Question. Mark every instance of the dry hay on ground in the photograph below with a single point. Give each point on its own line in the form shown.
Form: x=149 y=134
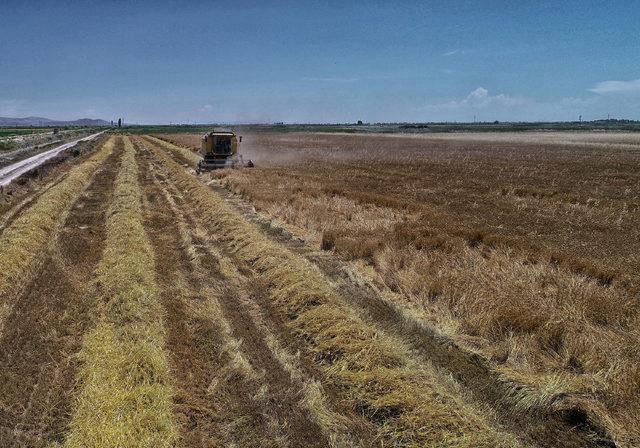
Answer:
x=523 y=247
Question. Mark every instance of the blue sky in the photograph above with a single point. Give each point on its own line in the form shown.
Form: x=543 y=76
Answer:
x=320 y=61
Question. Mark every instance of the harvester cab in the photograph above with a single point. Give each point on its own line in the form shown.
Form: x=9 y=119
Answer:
x=220 y=149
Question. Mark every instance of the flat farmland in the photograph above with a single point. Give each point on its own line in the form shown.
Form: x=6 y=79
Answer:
x=349 y=291
x=520 y=247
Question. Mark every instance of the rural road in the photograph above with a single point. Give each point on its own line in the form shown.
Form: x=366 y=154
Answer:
x=11 y=172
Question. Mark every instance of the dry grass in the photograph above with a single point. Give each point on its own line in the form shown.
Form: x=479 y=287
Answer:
x=124 y=397
x=210 y=309
x=231 y=347
x=523 y=247
x=411 y=404
x=189 y=156
x=314 y=400
x=25 y=242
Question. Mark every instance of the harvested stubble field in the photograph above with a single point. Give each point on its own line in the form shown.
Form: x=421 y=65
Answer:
x=522 y=248
x=416 y=294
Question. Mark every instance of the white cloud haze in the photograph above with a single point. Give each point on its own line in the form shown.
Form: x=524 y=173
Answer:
x=11 y=107
x=605 y=87
x=503 y=107
x=616 y=98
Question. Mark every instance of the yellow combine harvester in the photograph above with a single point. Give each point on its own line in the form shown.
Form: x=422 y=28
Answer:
x=220 y=150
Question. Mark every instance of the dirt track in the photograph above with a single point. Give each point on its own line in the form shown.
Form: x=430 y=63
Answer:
x=243 y=370
x=11 y=172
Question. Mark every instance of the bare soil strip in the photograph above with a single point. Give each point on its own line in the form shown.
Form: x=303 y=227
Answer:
x=409 y=404
x=264 y=400
x=45 y=328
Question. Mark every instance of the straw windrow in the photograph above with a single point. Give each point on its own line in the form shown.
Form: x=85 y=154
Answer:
x=411 y=404
x=185 y=154
x=124 y=396
x=25 y=242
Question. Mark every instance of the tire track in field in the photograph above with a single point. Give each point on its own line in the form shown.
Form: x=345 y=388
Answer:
x=220 y=347
x=45 y=328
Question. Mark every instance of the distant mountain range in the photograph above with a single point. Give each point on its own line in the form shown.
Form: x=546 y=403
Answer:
x=39 y=121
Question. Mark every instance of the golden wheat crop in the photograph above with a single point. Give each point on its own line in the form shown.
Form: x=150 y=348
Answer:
x=408 y=402
x=124 y=397
x=189 y=156
x=523 y=248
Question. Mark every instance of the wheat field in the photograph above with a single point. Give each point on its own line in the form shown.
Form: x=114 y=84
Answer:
x=348 y=291
x=521 y=247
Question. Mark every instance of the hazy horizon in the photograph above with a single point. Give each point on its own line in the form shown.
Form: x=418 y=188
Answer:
x=320 y=62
